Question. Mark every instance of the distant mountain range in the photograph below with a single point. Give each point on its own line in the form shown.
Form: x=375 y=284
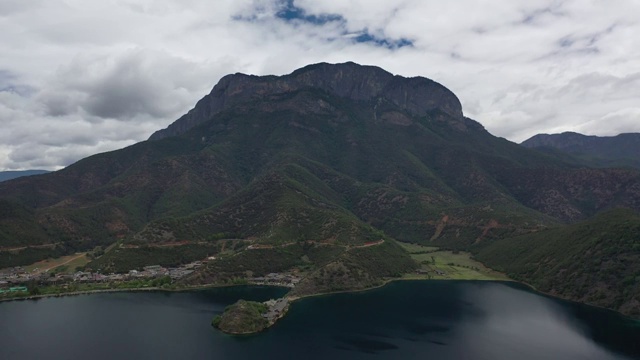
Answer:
x=8 y=175
x=603 y=151
x=310 y=169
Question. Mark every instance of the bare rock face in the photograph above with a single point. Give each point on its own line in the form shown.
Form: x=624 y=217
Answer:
x=417 y=96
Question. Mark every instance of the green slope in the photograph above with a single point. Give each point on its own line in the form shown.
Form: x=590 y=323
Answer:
x=596 y=261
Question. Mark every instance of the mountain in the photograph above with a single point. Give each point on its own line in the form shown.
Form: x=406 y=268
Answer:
x=603 y=151
x=349 y=80
x=596 y=261
x=322 y=169
x=8 y=175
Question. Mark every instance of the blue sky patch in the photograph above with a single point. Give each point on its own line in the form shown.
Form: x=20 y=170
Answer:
x=365 y=37
x=290 y=12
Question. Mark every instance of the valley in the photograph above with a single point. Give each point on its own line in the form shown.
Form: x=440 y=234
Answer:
x=436 y=264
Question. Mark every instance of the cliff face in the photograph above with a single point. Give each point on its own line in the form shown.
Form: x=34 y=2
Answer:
x=416 y=95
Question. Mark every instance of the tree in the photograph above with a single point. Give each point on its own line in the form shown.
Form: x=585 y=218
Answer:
x=35 y=290
x=216 y=321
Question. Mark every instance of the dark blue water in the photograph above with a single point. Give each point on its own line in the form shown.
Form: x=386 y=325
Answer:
x=404 y=320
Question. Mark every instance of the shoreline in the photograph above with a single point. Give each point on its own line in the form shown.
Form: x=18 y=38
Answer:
x=142 y=289
x=295 y=298
x=509 y=280
x=387 y=282
x=558 y=297
x=77 y=293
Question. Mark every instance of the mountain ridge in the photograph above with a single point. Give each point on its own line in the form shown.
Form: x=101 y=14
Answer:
x=603 y=151
x=14 y=174
x=348 y=80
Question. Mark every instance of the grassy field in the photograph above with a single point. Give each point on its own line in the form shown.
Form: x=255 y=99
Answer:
x=415 y=248
x=448 y=265
x=66 y=264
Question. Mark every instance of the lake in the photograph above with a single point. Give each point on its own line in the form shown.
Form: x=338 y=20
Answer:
x=403 y=320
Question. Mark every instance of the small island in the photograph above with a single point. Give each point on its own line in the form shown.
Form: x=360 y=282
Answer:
x=249 y=317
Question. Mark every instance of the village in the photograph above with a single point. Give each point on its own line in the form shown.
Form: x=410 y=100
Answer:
x=276 y=309
x=11 y=277
x=17 y=279
x=276 y=279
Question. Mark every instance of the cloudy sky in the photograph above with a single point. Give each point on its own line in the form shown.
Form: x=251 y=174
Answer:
x=79 y=77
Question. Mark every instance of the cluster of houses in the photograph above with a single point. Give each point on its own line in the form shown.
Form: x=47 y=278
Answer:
x=155 y=271
x=18 y=275
x=278 y=279
x=276 y=309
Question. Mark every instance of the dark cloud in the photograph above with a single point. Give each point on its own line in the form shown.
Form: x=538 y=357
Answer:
x=124 y=92
x=58 y=102
x=27 y=153
x=133 y=85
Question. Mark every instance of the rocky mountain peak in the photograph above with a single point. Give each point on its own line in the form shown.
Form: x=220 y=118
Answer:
x=416 y=95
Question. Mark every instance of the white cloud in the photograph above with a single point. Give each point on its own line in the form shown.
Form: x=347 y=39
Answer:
x=79 y=76
x=620 y=121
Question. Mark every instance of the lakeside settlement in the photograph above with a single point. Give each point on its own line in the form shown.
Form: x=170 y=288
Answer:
x=244 y=317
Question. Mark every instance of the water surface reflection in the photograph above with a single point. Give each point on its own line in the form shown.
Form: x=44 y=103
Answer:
x=404 y=320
